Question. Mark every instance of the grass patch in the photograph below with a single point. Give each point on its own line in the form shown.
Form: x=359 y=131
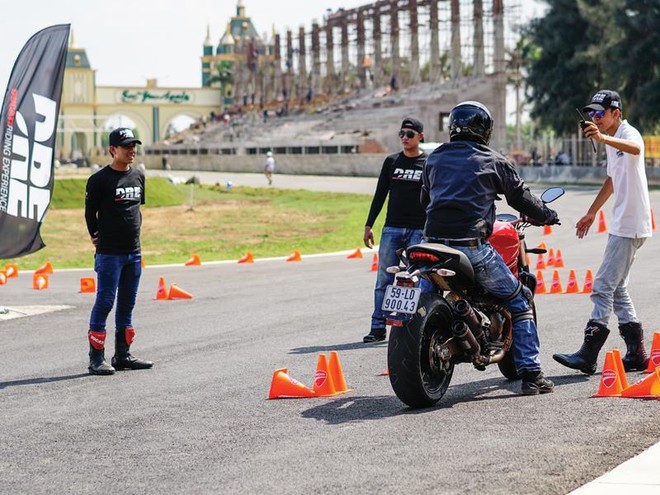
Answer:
x=220 y=225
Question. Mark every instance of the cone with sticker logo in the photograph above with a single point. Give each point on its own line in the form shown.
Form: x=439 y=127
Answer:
x=559 y=259
x=654 y=354
x=374 y=263
x=602 y=225
x=194 y=260
x=551 y=257
x=646 y=388
x=588 y=283
x=572 y=285
x=295 y=256
x=161 y=292
x=618 y=362
x=283 y=386
x=555 y=285
x=337 y=373
x=87 y=285
x=540 y=283
x=610 y=382
x=323 y=384
x=540 y=262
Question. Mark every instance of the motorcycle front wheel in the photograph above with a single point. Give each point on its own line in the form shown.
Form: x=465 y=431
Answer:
x=418 y=378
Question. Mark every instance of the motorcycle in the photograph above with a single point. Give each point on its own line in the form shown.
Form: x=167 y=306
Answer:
x=457 y=321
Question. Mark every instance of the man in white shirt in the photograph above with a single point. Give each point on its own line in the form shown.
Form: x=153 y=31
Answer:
x=629 y=228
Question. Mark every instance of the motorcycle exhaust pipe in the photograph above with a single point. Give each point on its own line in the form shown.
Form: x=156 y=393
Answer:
x=464 y=337
x=464 y=311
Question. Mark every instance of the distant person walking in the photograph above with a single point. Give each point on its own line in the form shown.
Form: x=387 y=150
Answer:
x=269 y=168
x=112 y=212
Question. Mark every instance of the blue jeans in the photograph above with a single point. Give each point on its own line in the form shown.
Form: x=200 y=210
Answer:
x=492 y=274
x=610 y=289
x=391 y=239
x=116 y=274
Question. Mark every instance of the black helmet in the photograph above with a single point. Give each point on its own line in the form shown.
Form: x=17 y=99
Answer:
x=470 y=120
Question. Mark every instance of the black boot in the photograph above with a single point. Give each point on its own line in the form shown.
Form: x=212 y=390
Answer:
x=585 y=359
x=97 y=363
x=123 y=360
x=535 y=383
x=633 y=335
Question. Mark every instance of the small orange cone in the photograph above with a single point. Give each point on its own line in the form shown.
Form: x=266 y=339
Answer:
x=177 y=292
x=323 y=384
x=87 y=285
x=46 y=269
x=540 y=262
x=588 y=283
x=283 y=386
x=11 y=271
x=356 y=254
x=646 y=387
x=248 y=258
x=39 y=281
x=618 y=362
x=374 y=263
x=652 y=220
x=654 y=354
x=337 y=374
x=540 y=283
x=602 y=226
x=559 y=260
x=572 y=285
x=551 y=257
x=194 y=260
x=555 y=285
x=142 y=262
x=542 y=246
x=295 y=256
x=547 y=230
x=161 y=293
x=610 y=383
x=3 y=277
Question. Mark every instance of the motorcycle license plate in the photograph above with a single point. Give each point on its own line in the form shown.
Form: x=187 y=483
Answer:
x=401 y=299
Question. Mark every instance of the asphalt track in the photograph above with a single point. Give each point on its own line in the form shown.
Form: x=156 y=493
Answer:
x=199 y=422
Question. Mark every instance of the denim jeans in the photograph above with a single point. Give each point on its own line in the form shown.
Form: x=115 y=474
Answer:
x=116 y=274
x=391 y=239
x=492 y=274
x=610 y=289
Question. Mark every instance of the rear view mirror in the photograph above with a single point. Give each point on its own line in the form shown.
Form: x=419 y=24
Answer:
x=551 y=194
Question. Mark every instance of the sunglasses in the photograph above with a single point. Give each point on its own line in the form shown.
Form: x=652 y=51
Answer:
x=408 y=134
x=596 y=113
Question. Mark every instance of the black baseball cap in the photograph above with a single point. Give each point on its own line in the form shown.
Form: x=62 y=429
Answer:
x=414 y=124
x=123 y=136
x=604 y=99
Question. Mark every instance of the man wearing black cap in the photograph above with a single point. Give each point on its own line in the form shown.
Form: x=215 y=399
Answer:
x=401 y=179
x=112 y=211
x=629 y=227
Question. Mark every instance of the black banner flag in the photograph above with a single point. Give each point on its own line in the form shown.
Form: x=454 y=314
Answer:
x=28 y=125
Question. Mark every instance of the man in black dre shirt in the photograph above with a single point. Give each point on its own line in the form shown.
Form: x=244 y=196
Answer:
x=112 y=211
x=401 y=178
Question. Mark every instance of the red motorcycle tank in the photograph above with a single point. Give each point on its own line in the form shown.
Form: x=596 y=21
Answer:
x=505 y=240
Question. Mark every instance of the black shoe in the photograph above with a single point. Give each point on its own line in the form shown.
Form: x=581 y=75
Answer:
x=376 y=335
x=128 y=362
x=535 y=383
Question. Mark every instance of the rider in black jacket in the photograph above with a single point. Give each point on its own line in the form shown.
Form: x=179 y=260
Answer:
x=461 y=181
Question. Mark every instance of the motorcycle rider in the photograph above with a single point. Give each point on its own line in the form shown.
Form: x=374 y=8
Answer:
x=461 y=181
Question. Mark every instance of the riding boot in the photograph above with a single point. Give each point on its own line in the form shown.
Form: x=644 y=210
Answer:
x=633 y=335
x=97 y=363
x=123 y=360
x=586 y=357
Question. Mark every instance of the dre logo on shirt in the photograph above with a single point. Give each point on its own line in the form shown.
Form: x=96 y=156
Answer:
x=409 y=174
x=128 y=193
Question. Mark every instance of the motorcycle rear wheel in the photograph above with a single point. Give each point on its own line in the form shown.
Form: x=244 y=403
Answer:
x=415 y=377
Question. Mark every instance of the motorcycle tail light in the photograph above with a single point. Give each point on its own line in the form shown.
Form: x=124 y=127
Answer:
x=421 y=256
x=405 y=283
x=394 y=323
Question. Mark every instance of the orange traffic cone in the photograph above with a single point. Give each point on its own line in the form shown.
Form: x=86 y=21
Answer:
x=540 y=283
x=248 y=258
x=356 y=254
x=555 y=285
x=542 y=246
x=559 y=260
x=618 y=362
x=337 y=374
x=646 y=387
x=46 y=269
x=588 y=283
x=178 y=293
x=295 y=256
x=143 y=263
x=540 y=262
x=610 y=382
x=374 y=263
x=572 y=286
x=11 y=271
x=652 y=220
x=194 y=260
x=602 y=226
x=87 y=285
x=654 y=354
x=547 y=230
x=323 y=384
x=283 y=385
x=3 y=277
x=161 y=293
x=39 y=281
x=551 y=258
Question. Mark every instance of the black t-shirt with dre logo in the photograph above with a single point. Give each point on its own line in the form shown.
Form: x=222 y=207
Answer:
x=112 y=208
